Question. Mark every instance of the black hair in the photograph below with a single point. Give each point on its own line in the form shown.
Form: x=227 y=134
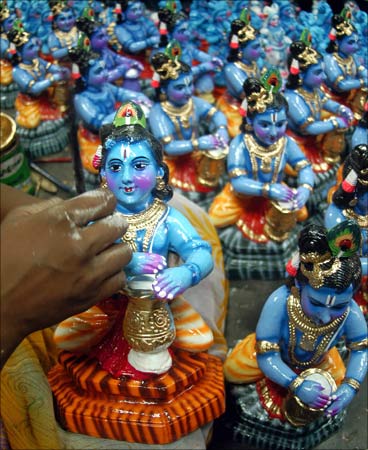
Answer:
x=295 y=50
x=83 y=58
x=133 y=134
x=336 y=20
x=87 y=26
x=235 y=53
x=171 y=19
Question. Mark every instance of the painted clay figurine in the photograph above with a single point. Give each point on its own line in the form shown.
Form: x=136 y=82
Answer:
x=350 y=201
x=127 y=336
x=290 y=367
x=256 y=208
x=244 y=61
x=347 y=77
x=195 y=158
x=41 y=120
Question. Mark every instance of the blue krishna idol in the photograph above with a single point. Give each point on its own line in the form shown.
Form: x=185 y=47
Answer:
x=347 y=76
x=257 y=212
x=244 y=60
x=96 y=101
x=41 y=117
x=350 y=201
x=144 y=350
x=193 y=132
x=287 y=381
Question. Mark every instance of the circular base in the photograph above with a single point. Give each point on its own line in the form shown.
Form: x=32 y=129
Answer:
x=150 y=362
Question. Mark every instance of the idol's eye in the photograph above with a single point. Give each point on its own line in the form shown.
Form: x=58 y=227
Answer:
x=314 y=302
x=281 y=123
x=140 y=165
x=340 y=306
x=115 y=167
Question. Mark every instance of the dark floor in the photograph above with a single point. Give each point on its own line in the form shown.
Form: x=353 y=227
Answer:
x=246 y=301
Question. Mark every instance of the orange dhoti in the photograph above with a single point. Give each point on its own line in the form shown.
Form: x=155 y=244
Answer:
x=31 y=111
x=230 y=107
x=88 y=143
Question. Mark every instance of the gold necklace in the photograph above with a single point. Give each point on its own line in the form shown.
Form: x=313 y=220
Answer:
x=345 y=64
x=265 y=155
x=145 y=220
x=362 y=220
x=250 y=69
x=312 y=99
x=67 y=38
x=180 y=115
x=310 y=331
x=33 y=69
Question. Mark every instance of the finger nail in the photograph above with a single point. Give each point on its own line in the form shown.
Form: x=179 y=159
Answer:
x=160 y=266
x=170 y=296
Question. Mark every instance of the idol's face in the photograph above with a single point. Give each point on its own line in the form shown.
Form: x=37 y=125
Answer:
x=180 y=91
x=97 y=73
x=131 y=171
x=30 y=49
x=134 y=11
x=65 y=20
x=252 y=50
x=9 y=22
x=314 y=76
x=181 y=32
x=349 y=44
x=270 y=126
x=324 y=304
x=99 y=39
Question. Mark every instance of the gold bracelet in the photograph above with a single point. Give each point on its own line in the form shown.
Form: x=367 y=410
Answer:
x=266 y=347
x=361 y=82
x=52 y=79
x=266 y=190
x=335 y=123
x=293 y=386
x=352 y=382
x=166 y=139
x=237 y=172
x=301 y=165
x=359 y=345
x=195 y=144
x=307 y=186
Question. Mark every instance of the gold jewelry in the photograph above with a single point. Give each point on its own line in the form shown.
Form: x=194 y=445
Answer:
x=160 y=184
x=251 y=70
x=237 y=172
x=169 y=69
x=146 y=220
x=195 y=144
x=182 y=116
x=344 y=28
x=66 y=38
x=247 y=33
x=265 y=155
x=360 y=219
x=346 y=66
x=266 y=190
x=258 y=101
x=266 y=347
x=166 y=139
x=103 y=183
x=357 y=346
x=317 y=275
x=301 y=165
x=352 y=382
x=362 y=82
x=308 y=57
x=211 y=112
x=307 y=122
x=293 y=386
x=310 y=331
x=313 y=101
x=335 y=123
x=307 y=186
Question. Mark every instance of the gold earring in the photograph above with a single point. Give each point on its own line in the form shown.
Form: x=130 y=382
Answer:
x=160 y=184
x=103 y=183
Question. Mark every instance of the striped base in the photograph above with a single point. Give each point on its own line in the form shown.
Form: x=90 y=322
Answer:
x=157 y=411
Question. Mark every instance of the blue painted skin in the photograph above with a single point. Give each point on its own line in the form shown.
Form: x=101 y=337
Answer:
x=97 y=103
x=312 y=79
x=273 y=326
x=29 y=53
x=178 y=93
x=6 y=25
x=137 y=32
x=65 y=22
x=269 y=127
x=131 y=171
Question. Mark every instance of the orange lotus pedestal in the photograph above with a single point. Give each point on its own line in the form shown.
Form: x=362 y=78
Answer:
x=156 y=411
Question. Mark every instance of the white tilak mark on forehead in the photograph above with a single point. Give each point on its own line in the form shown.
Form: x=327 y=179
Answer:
x=125 y=151
x=273 y=117
x=331 y=299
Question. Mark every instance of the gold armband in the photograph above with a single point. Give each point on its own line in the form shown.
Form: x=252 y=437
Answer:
x=301 y=165
x=307 y=186
x=212 y=112
x=360 y=345
x=30 y=84
x=307 y=122
x=362 y=82
x=266 y=347
x=335 y=123
x=361 y=68
x=52 y=79
x=352 y=382
x=48 y=65
x=195 y=144
x=338 y=79
x=166 y=139
x=266 y=190
x=237 y=173
x=293 y=386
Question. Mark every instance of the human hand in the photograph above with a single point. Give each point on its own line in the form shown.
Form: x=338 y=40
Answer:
x=145 y=263
x=311 y=393
x=172 y=282
x=54 y=265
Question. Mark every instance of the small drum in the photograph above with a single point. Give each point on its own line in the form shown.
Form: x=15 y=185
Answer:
x=297 y=412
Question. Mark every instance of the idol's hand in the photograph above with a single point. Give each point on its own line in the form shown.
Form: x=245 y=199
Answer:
x=209 y=142
x=281 y=192
x=311 y=393
x=346 y=113
x=136 y=65
x=217 y=62
x=223 y=134
x=151 y=41
x=302 y=196
x=340 y=399
x=145 y=263
x=172 y=282
x=343 y=123
x=141 y=99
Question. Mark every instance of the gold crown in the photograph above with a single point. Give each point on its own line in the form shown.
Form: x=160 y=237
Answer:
x=344 y=28
x=19 y=35
x=169 y=69
x=258 y=101
x=323 y=266
x=308 y=57
x=58 y=8
x=247 y=33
